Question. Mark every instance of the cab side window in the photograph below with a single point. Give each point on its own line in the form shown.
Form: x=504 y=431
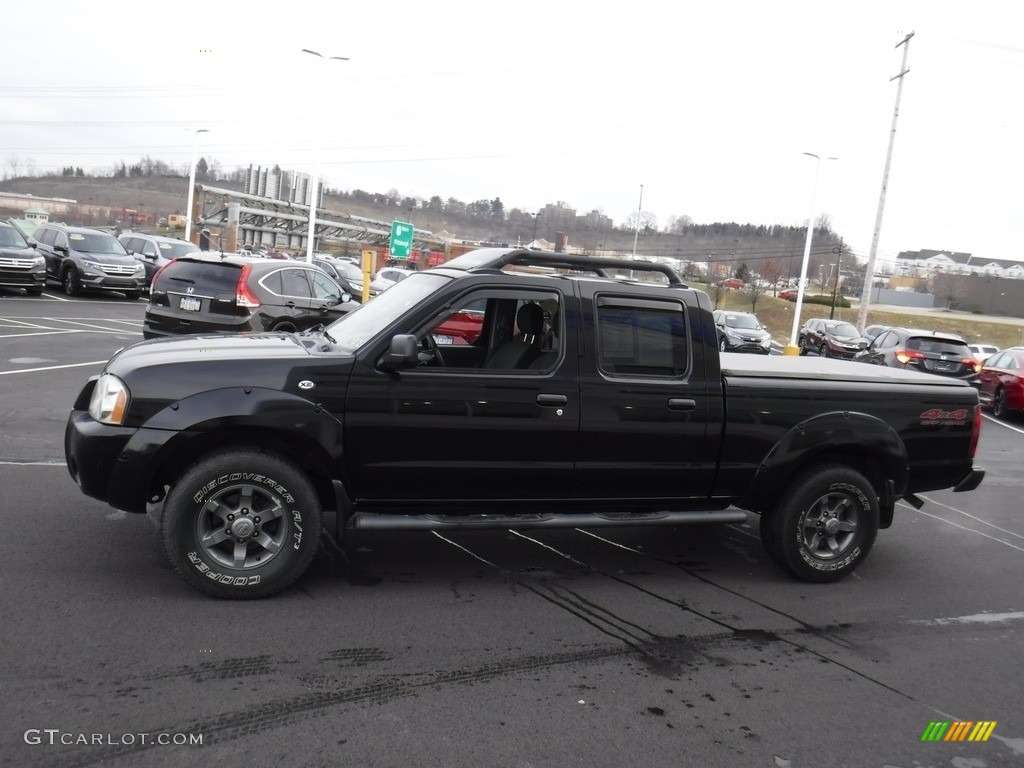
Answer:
x=495 y=330
x=641 y=338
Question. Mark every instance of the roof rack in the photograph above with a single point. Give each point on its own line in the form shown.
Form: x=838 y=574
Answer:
x=497 y=258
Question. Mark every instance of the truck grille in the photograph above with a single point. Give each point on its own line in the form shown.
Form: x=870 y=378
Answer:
x=16 y=263
x=118 y=269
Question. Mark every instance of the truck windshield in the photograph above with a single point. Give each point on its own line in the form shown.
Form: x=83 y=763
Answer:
x=353 y=330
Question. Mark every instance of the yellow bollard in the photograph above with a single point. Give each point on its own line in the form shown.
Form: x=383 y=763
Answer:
x=791 y=349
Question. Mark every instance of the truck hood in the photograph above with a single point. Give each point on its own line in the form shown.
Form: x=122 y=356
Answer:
x=163 y=371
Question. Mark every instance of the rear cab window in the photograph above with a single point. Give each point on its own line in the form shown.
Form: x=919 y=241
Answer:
x=637 y=337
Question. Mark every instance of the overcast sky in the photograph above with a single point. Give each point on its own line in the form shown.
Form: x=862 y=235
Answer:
x=709 y=106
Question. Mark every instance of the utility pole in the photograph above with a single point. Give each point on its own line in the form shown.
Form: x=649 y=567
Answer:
x=869 y=272
x=838 y=250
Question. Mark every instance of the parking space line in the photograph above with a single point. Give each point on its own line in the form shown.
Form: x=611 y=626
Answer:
x=967 y=514
x=1002 y=423
x=53 y=367
x=962 y=527
x=101 y=328
x=23 y=323
x=45 y=333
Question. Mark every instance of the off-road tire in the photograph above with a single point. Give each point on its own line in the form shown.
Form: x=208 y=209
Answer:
x=241 y=524
x=825 y=525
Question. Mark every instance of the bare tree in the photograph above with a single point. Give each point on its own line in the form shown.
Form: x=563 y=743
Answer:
x=717 y=292
x=771 y=272
x=14 y=161
x=948 y=289
x=755 y=289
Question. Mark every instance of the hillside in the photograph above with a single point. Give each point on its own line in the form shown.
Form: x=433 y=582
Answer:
x=727 y=245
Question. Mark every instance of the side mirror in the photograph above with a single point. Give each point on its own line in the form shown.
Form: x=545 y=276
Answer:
x=403 y=353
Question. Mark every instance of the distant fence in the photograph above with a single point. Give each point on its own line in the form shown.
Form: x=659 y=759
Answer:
x=902 y=298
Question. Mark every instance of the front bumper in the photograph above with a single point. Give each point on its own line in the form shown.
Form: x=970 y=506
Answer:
x=108 y=283
x=92 y=451
x=113 y=464
x=11 y=278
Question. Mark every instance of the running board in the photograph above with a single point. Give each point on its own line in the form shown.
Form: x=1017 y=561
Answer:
x=374 y=521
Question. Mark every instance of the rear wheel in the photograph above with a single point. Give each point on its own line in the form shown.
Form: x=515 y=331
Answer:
x=241 y=524
x=999 y=407
x=284 y=328
x=825 y=526
x=72 y=285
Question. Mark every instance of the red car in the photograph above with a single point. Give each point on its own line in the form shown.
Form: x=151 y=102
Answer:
x=463 y=326
x=1001 y=386
x=789 y=295
x=732 y=282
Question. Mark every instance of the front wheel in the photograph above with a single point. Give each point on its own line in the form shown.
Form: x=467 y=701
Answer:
x=823 y=350
x=802 y=345
x=241 y=524
x=722 y=346
x=71 y=283
x=825 y=525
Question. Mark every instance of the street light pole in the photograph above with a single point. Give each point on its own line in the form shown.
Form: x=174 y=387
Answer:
x=639 y=208
x=192 y=184
x=536 y=218
x=315 y=197
x=793 y=349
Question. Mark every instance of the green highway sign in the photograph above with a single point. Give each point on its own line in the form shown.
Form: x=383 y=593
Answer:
x=400 y=246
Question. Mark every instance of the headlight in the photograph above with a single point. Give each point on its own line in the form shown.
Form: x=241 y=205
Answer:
x=139 y=269
x=109 y=401
x=39 y=261
x=92 y=265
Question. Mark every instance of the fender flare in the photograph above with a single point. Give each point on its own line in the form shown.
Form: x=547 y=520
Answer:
x=850 y=433
x=181 y=431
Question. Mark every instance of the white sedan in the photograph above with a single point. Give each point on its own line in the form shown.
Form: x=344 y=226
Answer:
x=387 y=277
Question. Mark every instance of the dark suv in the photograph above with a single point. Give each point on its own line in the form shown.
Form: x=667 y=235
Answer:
x=237 y=294
x=927 y=351
x=831 y=338
x=741 y=332
x=82 y=259
x=20 y=265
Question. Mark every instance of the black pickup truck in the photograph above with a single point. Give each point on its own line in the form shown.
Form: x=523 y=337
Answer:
x=508 y=388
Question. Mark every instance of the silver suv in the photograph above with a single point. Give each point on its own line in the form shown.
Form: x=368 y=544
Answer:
x=154 y=251
x=82 y=259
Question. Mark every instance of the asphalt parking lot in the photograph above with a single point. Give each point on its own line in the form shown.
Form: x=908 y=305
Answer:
x=620 y=647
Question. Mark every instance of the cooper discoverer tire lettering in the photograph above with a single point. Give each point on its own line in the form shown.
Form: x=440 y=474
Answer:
x=241 y=523
x=825 y=525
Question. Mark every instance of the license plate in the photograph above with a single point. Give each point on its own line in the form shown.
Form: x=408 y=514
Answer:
x=190 y=304
x=446 y=340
